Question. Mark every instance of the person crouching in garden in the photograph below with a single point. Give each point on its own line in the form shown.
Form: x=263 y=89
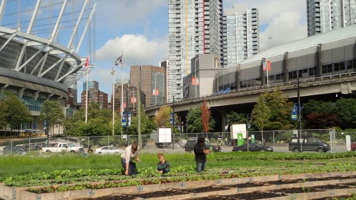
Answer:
x=163 y=165
x=130 y=154
x=200 y=151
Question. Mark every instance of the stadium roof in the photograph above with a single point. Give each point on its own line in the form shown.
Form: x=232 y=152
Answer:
x=312 y=41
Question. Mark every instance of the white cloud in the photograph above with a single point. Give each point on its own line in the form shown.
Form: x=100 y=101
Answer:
x=283 y=20
x=137 y=50
x=283 y=29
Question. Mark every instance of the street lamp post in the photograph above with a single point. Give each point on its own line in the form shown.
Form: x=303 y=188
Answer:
x=118 y=62
x=299 y=112
x=113 y=99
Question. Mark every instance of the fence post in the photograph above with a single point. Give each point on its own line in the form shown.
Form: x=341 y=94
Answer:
x=274 y=143
x=174 y=139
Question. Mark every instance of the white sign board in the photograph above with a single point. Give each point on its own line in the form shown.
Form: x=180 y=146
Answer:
x=238 y=128
x=348 y=142
x=164 y=135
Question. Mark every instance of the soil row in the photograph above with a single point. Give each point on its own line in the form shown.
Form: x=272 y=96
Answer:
x=314 y=187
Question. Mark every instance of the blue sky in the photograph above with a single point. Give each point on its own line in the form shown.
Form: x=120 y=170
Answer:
x=139 y=28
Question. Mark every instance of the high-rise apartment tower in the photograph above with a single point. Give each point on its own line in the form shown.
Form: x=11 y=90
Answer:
x=241 y=34
x=327 y=15
x=195 y=27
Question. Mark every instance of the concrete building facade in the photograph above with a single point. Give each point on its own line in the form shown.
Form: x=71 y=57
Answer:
x=327 y=15
x=195 y=27
x=198 y=83
x=241 y=34
x=152 y=82
x=95 y=96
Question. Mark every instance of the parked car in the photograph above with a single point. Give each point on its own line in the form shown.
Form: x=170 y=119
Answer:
x=62 y=147
x=189 y=146
x=353 y=146
x=14 y=150
x=252 y=147
x=108 y=150
x=308 y=144
x=33 y=147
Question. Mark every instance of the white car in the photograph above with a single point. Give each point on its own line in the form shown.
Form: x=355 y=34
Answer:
x=108 y=150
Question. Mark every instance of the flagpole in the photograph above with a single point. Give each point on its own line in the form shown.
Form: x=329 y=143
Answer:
x=113 y=99
x=122 y=94
x=86 y=97
x=87 y=88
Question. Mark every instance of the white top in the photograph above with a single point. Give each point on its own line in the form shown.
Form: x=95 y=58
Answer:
x=128 y=155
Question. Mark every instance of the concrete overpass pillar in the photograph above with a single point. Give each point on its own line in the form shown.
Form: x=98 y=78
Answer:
x=285 y=67
x=262 y=73
x=220 y=117
x=318 y=61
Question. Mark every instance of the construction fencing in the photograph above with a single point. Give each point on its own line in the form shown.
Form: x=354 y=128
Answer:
x=278 y=139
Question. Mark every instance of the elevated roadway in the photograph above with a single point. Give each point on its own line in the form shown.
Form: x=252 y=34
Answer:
x=327 y=88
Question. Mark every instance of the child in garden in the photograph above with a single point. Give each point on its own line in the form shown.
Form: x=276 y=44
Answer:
x=163 y=165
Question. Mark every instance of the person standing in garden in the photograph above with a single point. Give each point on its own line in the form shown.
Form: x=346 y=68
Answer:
x=163 y=164
x=200 y=151
x=127 y=157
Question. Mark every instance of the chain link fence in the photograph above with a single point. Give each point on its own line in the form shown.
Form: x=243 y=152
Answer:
x=277 y=139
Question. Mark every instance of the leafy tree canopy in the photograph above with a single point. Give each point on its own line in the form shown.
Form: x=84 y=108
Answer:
x=194 y=121
x=261 y=114
x=345 y=109
x=237 y=118
x=53 y=112
x=280 y=111
x=16 y=112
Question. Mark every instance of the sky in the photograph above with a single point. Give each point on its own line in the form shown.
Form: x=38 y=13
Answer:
x=139 y=30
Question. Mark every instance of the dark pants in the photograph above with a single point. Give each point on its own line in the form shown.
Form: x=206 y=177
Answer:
x=132 y=167
x=200 y=166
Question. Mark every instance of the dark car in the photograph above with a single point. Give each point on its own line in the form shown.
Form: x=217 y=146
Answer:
x=252 y=147
x=308 y=144
x=189 y=146
x=14 y=150
x=353 y=146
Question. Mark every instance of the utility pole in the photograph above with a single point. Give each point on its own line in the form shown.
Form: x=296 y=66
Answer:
x=299 y=113
x=127 y=111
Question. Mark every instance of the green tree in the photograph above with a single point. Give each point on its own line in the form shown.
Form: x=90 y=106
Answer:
x=316 y=106
x=162 y=119
x=280 y=111
x=319 y=115
x=261 y=114
x=53 y=112
x=194 y=121
x=16 y=113
x=346 y=112
x=3 y=107
x=237 y=118
x=99 y=122
x=147 y=124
